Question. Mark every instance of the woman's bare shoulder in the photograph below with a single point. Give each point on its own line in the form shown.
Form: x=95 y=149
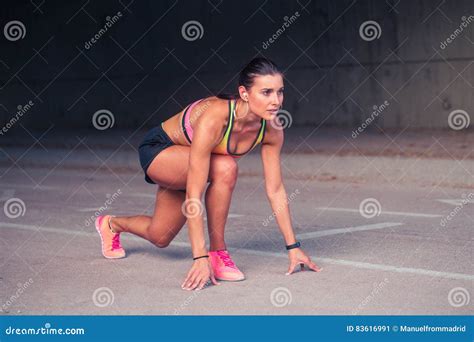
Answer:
x=216 y=109
x=211 y=117
x=216 y=104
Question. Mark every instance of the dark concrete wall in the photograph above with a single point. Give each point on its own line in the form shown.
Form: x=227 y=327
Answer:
x=143 y=70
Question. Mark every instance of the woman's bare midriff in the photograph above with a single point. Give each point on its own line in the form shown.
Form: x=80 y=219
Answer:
x=244 y=136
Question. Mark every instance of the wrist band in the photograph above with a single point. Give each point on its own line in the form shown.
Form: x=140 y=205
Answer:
x=202 y=256
x=295 y=245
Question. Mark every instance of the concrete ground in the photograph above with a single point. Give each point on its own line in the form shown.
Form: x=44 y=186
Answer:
x=414 y=256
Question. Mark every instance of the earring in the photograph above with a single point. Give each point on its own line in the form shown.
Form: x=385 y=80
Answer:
x=248 y=107
x=246 y=112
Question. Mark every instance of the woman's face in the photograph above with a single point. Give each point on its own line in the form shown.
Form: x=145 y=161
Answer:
x=265 y=97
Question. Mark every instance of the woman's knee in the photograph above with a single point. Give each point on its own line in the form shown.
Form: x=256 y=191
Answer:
x=224 y=169
x=160 y=241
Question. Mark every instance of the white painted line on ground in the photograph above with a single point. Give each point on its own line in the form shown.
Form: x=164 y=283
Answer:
x=382 y=212
x=369 y=266
x=228 y=216
x=456 y=202
x=141 y=194
x=87 y=210
x=335 y=231
x=8 y=192
x=91 y=210
x=29 y=187
x=59 y=188
x=357 y=264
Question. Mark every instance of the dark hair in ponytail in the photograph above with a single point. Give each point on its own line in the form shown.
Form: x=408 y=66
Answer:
x=258 y=66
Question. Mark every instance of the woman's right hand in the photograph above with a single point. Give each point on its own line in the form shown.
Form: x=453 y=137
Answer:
x=199 y=275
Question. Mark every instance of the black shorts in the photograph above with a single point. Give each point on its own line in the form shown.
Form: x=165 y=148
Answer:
x=155 y=141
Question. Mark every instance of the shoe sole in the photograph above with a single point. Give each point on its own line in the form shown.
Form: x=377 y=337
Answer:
x=230 y=280
x=97 y=227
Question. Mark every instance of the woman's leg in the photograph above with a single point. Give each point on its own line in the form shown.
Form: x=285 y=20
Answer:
x=168 y=218
x=162 y=227
x=218 y=198
x=169 y=171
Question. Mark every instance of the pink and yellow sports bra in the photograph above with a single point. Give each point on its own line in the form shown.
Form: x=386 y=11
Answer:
x=223 y=147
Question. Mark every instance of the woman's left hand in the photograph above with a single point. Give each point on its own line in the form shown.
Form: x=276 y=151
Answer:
x=298 y=257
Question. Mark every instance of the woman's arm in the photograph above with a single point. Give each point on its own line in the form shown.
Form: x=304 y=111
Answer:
x=277 y=197
x=204 y=140
x=274 y=187
x=207 y=133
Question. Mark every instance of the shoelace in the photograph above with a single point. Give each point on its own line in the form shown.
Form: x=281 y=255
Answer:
x=116 y=242
x=225 y=257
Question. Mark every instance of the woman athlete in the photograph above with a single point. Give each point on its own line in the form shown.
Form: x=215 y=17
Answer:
x=199 y=145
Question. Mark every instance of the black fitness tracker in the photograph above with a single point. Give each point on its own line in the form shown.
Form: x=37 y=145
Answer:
x=295 y=245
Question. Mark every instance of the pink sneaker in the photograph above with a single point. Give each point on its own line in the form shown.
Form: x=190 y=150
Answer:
x=111 y=248
x=223 y=266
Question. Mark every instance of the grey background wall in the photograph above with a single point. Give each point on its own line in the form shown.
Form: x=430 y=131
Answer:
x=143 y=70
